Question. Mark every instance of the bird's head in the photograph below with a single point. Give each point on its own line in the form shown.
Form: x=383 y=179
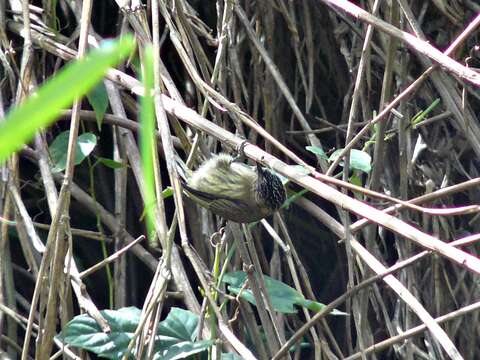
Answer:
x=269 y=189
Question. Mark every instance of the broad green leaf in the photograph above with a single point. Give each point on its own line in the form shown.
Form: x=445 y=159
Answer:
x=83 y=332
x=175 y=338
x=317 y=151
x=180 y=324
x=98 y=98
x=73 y=81
x=282 y=296
x=359 y=160
x=86 y=142
x=112 y=164
x=183 y=349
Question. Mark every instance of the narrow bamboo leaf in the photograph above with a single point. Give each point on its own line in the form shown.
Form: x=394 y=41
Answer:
x=147 y=138
x=422 y=115
x=317 y=306
x=112 y=164
x=73 y=81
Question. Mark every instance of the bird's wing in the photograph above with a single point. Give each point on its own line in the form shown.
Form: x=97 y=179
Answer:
x=224 y=206
x=205 y=198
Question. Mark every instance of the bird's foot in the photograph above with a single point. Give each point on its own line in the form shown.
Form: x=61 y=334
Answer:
x=240 y=151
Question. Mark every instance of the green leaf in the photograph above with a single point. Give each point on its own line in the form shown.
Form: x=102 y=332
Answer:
x=359 y=160
x=282 y=296
x=112 y=164
x=86 y=142
x=72 y=82
x=167 y=192
x=98 y=98
x=294 y=197
x=180 y=324
x=147 y=139
x=175 y=338
x=183 y=350
x=316 y=306
x=355 y=180
x=418 y=118
x=317 y=151
x=83 y=332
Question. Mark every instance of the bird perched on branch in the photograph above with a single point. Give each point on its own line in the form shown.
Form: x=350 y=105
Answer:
x=235 y=191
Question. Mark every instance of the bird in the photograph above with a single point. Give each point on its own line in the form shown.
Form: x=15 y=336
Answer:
x=235 y=191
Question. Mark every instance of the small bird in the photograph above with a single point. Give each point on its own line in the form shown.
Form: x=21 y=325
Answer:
x=235 y=191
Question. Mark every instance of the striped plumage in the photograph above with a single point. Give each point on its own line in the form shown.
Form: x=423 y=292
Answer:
x=235 y=191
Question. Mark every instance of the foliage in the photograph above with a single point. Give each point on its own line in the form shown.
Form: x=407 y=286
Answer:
x=85 y=144
x=174 y=339
x=72 y=82
x=293 y=79
x=282 y=296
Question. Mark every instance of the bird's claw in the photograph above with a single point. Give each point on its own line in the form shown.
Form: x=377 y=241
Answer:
x=241 y=150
